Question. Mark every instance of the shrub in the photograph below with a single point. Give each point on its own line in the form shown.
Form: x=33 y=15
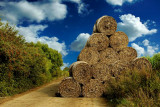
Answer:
x=25 y=65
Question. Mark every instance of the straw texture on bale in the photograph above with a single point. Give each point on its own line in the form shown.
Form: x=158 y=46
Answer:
x=105 y=24
x=101 y=71
x=94 y=28
x=99 y=41
x=109 y=56
x=119 y=40
x=89 y=55
x=127 y=54
x=120 y=66
x=70 y=69
x=69 y=88
x=82 y=72
x=93 y=89
x=142 y=64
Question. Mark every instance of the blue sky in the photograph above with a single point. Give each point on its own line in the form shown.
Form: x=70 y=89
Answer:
x=65 y=25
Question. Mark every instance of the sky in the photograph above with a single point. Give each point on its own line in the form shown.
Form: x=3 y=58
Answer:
x=65 y=25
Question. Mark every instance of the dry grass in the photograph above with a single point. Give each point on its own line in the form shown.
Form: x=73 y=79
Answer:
x=134 y=88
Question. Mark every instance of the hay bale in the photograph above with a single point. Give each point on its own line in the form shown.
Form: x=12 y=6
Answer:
x=101 y=71
x=109 y=56
x=142 y=64
x=99 y=41
x=105 y=24
x=93 y=89
x=69 y=88
x=119 y=40
x=95 y=28
x=120 y=66
x=81 y=72
x=127 y=54
x=89 y=55
x=70 y=69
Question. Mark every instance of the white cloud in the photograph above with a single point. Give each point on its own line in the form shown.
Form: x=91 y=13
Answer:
x=76 y=1
x=79 y=43
x=145 y=42
x=17 y=12
x=82 y=7
x=55 y=11
x=118 y=2
x=140 y=50
x=118 y=10
x=31 y=34
x=64 y=65
x=133 y=27
x=150 y=50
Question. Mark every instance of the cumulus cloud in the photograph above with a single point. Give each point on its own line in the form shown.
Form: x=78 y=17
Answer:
x=17 y=12
x=118 y=2
x=145 y=42
x=133 y=27
x=31 y=34
x=140 y=50
x=147 y=49
x=79 y=43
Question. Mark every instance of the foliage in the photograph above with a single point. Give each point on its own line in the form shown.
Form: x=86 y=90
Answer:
x=66 y=69
x=134 y=88
x=25 y=65
x=155 y=61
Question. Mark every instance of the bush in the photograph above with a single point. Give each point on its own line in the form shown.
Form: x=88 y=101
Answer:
x=25 y=65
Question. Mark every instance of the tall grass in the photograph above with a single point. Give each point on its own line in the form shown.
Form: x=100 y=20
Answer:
x=134 y=88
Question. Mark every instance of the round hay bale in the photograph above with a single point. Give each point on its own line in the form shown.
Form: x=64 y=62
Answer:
x=93 y=89
x=120 y=66
x=89 y=55
x=142 y=64
x=70 y=69
x=99 y=41
x=81 y=71
x=106 y=24
x=119 y=40
x=95 y=28
x=109 y=56
x=127 y=54
x=69 y=88
x=101 y=71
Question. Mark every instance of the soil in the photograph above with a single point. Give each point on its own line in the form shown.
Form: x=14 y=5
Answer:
x=44 y=96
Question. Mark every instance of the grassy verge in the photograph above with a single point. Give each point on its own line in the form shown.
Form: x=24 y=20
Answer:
x=134 y=88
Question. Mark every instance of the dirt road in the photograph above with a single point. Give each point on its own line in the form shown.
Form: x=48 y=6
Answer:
x=45 y=97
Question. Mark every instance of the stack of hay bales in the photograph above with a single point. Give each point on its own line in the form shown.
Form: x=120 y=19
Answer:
x=105 y=55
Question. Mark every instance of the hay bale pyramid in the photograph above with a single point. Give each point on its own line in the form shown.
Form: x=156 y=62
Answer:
x=105 y=55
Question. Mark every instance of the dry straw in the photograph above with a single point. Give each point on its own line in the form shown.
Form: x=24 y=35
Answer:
x=81 y=71
x=142 y=64
x=127 y=54
x=120 y=66
x=93 y=89
x=119 y=40
x=69 y=88
x=109 y=56
x=101 y=71
x=89 y=55
x=105 y=24
x=99 y=41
